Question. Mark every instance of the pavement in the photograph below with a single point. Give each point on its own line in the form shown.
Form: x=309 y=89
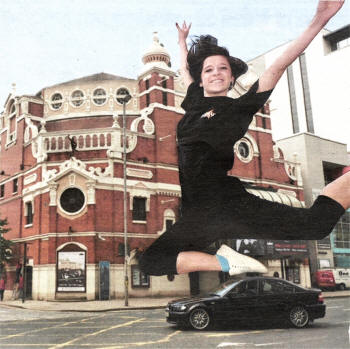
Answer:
x=114 y=304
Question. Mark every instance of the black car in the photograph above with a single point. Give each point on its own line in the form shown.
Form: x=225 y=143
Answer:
x=249 y=299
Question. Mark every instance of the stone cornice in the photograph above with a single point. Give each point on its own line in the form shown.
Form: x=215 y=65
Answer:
x=83 y=234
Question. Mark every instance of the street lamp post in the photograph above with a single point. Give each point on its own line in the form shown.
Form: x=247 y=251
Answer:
x=125 y=100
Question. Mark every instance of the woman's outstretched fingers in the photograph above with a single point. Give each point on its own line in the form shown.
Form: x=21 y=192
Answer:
x=183 y=30
x=328 y=8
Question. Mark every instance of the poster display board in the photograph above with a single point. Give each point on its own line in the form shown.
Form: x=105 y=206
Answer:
x=71 y=271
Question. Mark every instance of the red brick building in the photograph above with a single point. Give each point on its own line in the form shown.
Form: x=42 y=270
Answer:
x=62 y=182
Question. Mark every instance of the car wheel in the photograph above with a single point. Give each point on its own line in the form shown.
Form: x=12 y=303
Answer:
x=341 y=287
x=199 y=319
x=298 y=316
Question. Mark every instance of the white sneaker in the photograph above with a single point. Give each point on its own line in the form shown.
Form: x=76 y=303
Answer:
x=240 y=263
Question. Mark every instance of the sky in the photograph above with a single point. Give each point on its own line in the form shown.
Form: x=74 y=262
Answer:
x=48 y=42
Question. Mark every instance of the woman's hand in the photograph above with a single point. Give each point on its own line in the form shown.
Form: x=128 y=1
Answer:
x=325 y=11
x=183 y=31
x=183 y=34
x=328 y=8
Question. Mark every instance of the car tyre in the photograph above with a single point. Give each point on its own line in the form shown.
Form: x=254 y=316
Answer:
x=199 y=319
x=341 y=287
x=299 y=316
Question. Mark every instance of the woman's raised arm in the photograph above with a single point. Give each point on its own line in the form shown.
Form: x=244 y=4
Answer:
x=325 y=11
x=183 y=33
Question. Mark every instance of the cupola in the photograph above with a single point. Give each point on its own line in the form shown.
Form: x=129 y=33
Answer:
x=156 y=55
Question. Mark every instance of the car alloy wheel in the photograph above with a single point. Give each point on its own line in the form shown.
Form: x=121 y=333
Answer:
x=199 y=319
x=299 y=317
x=341 y=287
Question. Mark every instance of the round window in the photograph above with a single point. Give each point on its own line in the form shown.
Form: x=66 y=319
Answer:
x=243 y=150
x=56 y=101
x=100 y=96
x=77 y=98
x=120 y=93
x=72 y=200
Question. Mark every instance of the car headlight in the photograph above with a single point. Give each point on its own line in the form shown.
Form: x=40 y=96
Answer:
x=179 y=307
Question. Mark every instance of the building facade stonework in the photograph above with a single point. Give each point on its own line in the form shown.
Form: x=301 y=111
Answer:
x=62 y=184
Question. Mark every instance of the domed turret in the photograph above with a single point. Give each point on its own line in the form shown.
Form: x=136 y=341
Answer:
x=156 y=55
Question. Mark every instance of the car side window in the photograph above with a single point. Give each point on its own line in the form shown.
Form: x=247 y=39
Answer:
x=276 y=287
x=245 y=289
x=287 y=288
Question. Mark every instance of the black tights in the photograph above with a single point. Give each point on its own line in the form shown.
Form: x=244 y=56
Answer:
x=240 y=217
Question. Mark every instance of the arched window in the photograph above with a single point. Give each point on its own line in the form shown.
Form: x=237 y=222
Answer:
x=169 y=219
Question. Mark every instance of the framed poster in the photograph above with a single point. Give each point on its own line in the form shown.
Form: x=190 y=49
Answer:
x=71 y=271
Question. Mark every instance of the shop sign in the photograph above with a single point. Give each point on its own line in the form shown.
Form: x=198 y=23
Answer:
x=290 y=247
x=273 y=248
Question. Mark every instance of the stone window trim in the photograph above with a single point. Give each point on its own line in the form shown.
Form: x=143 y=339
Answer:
x=117 y=92
x=136 y=212
x=245 y=144
x=250 y=144
x=169 y=215
x=83 y=205
x=29 y=212
x=141 y=194
x=139 y=222
x=78 y=244
x=77 y=101
x=56 y=101
x=12 y=108
x=98 y=95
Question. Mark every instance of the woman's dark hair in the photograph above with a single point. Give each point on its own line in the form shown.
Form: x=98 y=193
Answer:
x=206 y=46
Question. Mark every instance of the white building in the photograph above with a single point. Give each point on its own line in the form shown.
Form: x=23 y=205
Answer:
x=321 y=161
x=310 y=117
x=313 y=94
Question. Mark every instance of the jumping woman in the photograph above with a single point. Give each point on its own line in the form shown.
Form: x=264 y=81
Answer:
x=217 y=206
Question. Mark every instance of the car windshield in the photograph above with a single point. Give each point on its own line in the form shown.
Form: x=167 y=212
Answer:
x=222 y=289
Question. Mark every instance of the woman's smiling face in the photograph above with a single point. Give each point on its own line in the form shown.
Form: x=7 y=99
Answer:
x=216 y=76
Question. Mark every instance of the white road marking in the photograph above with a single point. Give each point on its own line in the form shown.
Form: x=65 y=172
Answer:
x=335 y=307
x=342 y=322
x=227 y=344
x=265 y=344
